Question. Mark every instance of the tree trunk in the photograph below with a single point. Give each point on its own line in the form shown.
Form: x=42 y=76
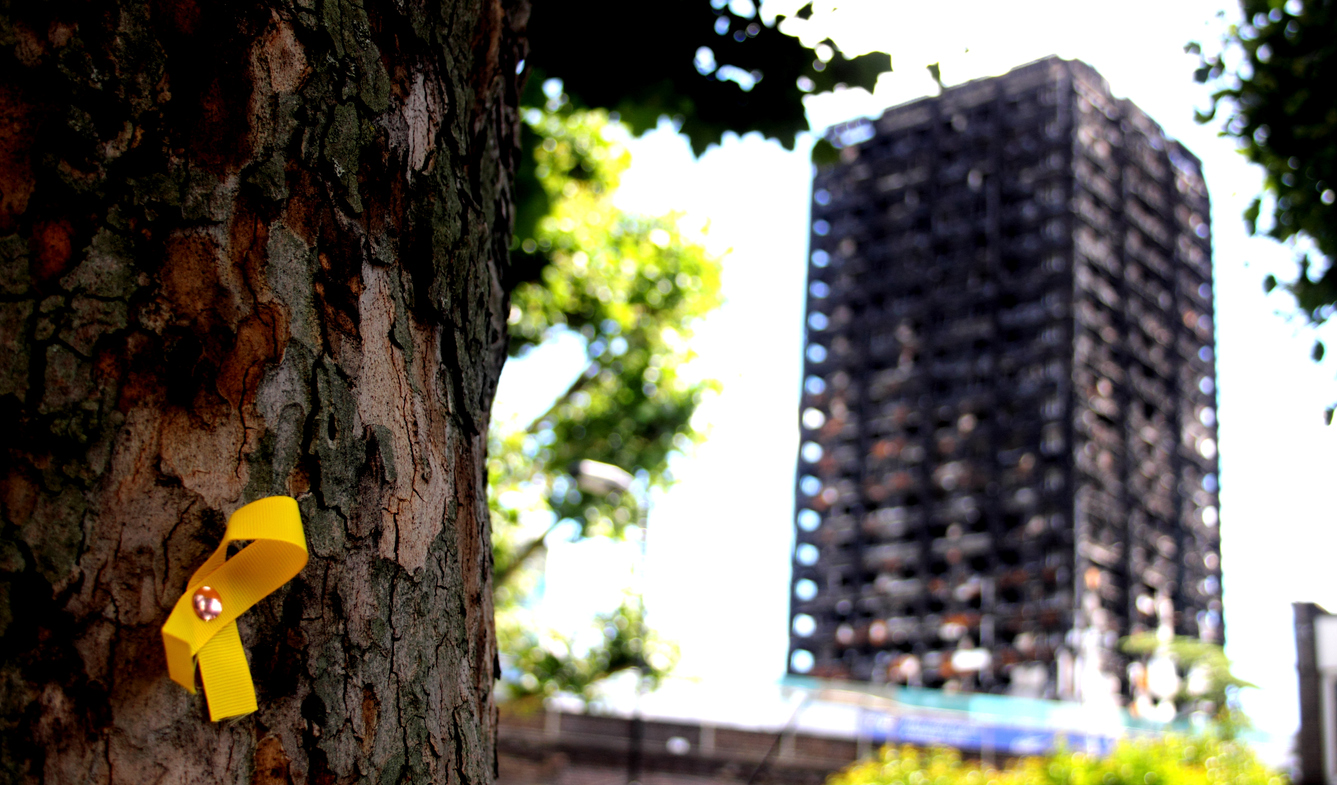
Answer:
x=249 y=250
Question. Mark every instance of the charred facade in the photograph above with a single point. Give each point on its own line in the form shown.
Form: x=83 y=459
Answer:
x=1008 y=452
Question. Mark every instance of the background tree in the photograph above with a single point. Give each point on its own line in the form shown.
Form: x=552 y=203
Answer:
x=250 y=249
x=1207 y=683
x=711 y=67
x=1273 y=81
x=632 y=287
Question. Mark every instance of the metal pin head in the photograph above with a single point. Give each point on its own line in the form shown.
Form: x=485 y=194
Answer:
x=208 y=603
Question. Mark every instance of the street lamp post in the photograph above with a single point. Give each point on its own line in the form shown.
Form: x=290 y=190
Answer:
x=603 y=479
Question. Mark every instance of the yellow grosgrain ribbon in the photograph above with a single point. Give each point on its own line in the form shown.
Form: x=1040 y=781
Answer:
x=277 y=553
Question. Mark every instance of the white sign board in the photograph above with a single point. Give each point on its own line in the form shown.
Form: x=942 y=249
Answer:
x=1325 y=651
x=1325 y=642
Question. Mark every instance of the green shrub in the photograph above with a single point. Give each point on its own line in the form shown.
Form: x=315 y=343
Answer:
x=1168 y=760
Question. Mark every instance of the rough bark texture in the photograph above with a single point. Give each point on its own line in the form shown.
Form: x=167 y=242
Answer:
x=250 y=250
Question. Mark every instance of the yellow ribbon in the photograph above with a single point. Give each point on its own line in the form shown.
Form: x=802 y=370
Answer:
x=277 y=553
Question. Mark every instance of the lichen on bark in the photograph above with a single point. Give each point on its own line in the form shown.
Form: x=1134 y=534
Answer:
x=248 y=249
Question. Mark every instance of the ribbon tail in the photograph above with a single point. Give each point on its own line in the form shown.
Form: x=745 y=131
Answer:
x=226 y=675
x=180 y=662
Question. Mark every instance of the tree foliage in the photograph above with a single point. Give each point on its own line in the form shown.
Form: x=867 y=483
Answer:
x=1169 y=760
x=1273 y=83
x=714 y=67
x=632 y=287
x=710 y=67
x=1209 y=683
x=542 y=663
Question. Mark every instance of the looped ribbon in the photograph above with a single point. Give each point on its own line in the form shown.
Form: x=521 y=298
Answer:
x=276 y=554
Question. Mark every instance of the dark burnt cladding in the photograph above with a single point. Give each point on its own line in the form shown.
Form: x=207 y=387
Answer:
x=1008 y=455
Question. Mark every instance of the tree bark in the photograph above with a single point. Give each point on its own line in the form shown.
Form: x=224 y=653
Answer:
x=251 y=249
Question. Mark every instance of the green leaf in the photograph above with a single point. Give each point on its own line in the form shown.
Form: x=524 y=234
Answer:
x=634 y=288
x=824 y=153
x=1280 y=113
x=538 y=665
x=935 y=71
x=862 y=71
x=1317 y=354
x=649 y=77
x=1251 y=215
x=1170 y=759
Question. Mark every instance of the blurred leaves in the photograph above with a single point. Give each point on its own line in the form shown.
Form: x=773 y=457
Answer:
x=711 y=67
x=544 y=665
x=935 y=71
x=1214 y=683
x=824 y=153
x=1169 y=760
x=633 y=288
x=1276 y=99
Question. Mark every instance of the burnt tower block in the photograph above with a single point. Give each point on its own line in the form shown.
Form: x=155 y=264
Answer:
x=1008 y=453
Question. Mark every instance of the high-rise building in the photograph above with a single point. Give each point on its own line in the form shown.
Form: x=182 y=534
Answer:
x=1008 y=455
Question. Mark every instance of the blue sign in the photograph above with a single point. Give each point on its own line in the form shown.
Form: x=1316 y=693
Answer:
x=937 y=731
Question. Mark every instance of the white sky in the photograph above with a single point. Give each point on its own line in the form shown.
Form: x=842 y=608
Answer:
x=717 y=578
